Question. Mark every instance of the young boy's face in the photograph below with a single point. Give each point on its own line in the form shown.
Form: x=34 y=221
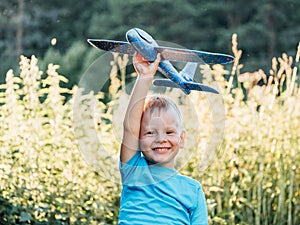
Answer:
x=161 y=136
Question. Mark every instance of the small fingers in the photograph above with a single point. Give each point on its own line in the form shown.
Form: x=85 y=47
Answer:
x=139 y=58
x=158 y=57
x=143 y=66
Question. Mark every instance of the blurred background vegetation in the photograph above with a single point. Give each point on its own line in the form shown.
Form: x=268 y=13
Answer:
x=56 y=31
x=44 y=178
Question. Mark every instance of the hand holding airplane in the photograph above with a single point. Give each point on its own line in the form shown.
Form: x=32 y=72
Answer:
x=141 y=42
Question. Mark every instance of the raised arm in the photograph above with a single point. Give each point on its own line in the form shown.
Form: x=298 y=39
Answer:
x=132 y=121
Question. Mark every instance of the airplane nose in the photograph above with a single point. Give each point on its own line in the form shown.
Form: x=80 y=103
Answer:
x=135 y=34
x=143 y=43
x=131 y=35
x=145 y=36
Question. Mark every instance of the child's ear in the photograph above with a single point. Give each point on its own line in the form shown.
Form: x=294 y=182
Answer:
x=182 y=138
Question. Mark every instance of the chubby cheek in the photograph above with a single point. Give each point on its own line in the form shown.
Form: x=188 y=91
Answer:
x=145 y=144
x=174 y=140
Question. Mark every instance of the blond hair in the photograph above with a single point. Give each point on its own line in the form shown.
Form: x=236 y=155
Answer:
x=160 y=102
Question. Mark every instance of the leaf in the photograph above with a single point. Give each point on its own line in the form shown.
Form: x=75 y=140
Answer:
x=25 y=217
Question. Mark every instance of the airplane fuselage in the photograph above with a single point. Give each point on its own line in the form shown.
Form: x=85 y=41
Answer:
x=144 y=44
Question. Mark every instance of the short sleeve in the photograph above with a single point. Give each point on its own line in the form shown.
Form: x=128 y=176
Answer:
x=128 y=168
x=135 y=172
x=199 y=214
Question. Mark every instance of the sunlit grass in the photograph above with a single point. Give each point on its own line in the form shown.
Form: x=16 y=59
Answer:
x=251 y=177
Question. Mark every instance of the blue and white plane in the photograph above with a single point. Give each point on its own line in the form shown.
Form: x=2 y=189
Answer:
x=141 y=42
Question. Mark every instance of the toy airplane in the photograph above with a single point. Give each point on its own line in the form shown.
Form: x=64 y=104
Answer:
x=142 y=42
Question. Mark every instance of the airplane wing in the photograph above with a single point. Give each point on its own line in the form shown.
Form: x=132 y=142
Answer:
x=189 y=85
x=113 y=46
x=167 y=53
x=186 y=55
x=165 y=83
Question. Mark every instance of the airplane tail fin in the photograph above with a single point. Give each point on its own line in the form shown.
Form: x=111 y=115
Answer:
x=189 y=85
x=188 y=72
x=201 y=87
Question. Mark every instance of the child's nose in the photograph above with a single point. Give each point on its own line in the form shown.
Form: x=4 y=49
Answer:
x=161 y=137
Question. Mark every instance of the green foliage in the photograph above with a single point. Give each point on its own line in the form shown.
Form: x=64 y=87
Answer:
x=73 y=61
x=52 y=56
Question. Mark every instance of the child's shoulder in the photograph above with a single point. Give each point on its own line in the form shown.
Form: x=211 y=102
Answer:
x=189 y=181
x=188 y=190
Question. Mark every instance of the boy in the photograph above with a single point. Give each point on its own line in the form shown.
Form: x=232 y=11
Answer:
x=153 y=192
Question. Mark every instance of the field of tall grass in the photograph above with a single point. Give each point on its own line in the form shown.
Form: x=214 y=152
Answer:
x=245 y=152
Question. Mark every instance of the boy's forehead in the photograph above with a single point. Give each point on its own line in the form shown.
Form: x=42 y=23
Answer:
x=161 y=112
x=157 y=112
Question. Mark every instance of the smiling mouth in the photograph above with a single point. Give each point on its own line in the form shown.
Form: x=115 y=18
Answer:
x=161 y=150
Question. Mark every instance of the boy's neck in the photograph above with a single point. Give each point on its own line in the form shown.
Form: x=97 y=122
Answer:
x=169 y=165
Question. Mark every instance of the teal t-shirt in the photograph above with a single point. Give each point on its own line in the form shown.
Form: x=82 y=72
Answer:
x=154 y=194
